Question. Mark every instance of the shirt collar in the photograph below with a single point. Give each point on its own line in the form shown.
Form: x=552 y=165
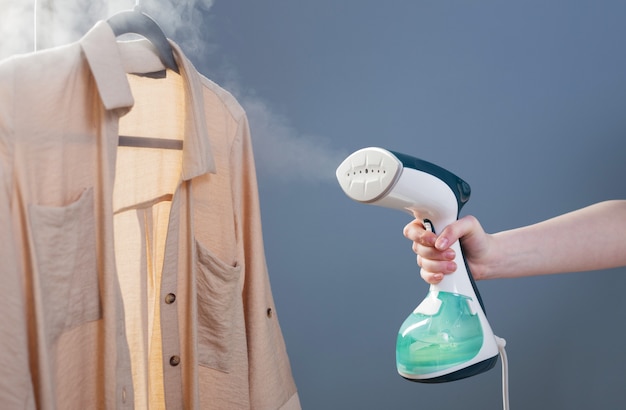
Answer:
x=103 y=57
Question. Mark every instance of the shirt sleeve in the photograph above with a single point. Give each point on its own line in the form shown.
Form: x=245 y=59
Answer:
x=15 y=382
x=270 y=379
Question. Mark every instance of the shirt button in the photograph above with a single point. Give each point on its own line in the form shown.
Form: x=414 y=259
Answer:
x=170 y=298
x=174 y=360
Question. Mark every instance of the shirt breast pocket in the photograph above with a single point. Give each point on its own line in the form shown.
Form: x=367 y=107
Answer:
x=218 y=300
x=64 y=241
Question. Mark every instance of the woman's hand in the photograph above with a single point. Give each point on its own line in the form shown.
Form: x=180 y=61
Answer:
x=435 y=256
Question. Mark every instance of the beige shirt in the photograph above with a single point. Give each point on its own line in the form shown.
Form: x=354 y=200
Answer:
x=132 y=277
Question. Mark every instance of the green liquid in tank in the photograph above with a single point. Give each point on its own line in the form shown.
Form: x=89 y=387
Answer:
x=430 y=343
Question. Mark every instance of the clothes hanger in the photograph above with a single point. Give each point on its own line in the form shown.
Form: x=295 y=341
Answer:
x=136 y=22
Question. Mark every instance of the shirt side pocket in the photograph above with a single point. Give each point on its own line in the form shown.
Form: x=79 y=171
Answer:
x=217 y=289
x=64 y=239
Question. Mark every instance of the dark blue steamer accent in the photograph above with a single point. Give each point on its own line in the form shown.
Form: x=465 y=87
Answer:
x=460 y=188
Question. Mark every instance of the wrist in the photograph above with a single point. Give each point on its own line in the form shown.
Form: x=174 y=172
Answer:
x=508 y=255
x=489 y=265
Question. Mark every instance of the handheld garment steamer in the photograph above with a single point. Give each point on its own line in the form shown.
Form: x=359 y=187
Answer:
x=447 y=337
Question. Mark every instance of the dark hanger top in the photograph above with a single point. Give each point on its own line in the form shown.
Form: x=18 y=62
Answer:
x=136 y=22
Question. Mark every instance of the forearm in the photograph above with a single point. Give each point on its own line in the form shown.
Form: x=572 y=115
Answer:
x=591 y=238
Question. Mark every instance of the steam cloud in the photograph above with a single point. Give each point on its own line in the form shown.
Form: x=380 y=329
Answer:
x=283 y=153
x=280 y=151
x=26 y=25
x=16 y=27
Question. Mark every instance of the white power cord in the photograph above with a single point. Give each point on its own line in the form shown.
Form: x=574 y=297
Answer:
x=505 y=372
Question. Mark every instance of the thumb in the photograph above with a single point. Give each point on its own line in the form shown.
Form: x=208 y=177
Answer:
x=455 y=231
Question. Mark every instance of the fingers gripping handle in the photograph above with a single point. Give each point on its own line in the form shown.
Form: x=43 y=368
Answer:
x=461 y=281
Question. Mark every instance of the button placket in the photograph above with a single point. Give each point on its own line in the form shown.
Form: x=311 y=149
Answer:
x=169 y=304
x=169 y=299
